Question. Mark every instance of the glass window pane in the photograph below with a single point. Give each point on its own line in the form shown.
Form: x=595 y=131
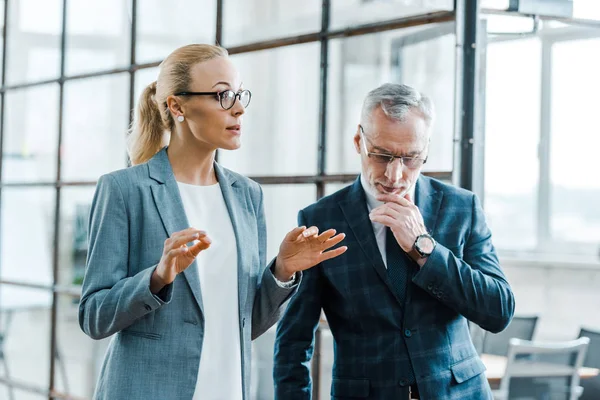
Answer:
x=25 y=325
x=495 y=4
x=280 y=128
x=164 y=26
x=19 y=393
x=247 y=21
x=512 y=89
x=98 y=35
x=95 y=127
x=575 y=191
x=355 y=12
x=33 y=47
x=143 y=78
x=331 y=188
x=74 y=216
x=282 y=203
x=1 y=36
x=79 y=357
x=586 y=9
x=27 y=229
x=423 y=58
x=31 y=134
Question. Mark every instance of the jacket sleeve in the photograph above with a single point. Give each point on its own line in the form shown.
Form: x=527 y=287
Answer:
x=294 y=343
x=475 y=285
x=111 y=300
x=270 y=296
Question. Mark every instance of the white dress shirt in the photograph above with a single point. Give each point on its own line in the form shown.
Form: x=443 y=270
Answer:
x=220 y=371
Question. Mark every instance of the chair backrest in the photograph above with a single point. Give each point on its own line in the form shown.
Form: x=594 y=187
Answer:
x=519 y=328
x=592 y=359
x=529 y=367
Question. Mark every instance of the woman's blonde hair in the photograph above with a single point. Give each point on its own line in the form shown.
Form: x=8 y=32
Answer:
x=152 y=117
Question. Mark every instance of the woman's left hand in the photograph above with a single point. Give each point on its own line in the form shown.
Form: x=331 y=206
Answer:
x=303 y=248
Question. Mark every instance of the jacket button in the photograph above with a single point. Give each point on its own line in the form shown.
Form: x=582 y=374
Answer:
x=429 y=287
x=147 y=307
x=403 y=382
x=407 y=333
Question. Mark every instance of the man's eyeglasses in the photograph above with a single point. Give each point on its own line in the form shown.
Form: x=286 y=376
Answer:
x=381 y=158
x=226 y=98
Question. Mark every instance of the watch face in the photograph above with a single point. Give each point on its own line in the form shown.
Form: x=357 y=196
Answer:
x=425 y=244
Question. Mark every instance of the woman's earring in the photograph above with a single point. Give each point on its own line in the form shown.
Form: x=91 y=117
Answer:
x=180 y=118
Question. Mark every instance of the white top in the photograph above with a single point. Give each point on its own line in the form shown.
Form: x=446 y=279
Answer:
x=220 y=372
x=378 y=229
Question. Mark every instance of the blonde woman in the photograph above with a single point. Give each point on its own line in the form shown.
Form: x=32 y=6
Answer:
x=176 y=271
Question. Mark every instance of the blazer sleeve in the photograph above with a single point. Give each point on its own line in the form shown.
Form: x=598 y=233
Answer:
x=270 y=296
x=294 y=343
x=111 y=300
x=475 y=285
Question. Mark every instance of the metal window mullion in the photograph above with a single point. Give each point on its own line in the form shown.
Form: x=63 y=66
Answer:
x=219 y=39
x=3 y=106
x=56 y=244
x=467 y=17
x=321 y=161
x=324 y=71
x=544 y=190
x=133 y=40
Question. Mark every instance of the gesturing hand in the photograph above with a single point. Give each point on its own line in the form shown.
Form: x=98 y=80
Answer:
x=177 y=256
x=304 y=248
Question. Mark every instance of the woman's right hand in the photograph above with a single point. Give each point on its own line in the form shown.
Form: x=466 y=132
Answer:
x=177 y=256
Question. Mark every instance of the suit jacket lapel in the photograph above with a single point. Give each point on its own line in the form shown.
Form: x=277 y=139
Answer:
x=428 y=200
x=357 y=215
x=170 y=207
x=235 y=199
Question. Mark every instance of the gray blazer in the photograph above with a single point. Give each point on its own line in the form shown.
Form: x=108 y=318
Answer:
x=157 y=339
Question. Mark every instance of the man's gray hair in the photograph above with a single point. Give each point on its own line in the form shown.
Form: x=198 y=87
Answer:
x=396 y=101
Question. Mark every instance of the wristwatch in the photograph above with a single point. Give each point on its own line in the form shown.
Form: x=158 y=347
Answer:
x=423 y=247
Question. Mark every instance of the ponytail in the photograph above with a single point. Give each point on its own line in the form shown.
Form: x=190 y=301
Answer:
x=147 y=131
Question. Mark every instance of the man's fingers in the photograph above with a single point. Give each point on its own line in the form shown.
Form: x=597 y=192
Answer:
x=332 y=253
x=390 y=212
x=383 y=219
x=393 y=198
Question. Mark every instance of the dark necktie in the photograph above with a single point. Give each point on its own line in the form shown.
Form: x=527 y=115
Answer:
x=397 y=265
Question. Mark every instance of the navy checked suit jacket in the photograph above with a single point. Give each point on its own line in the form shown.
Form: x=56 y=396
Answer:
x=374 y=334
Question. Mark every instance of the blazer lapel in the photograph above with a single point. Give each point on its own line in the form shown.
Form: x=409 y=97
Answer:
x=428 y=201
x=357 y=215
x=170 y=207
x=235 y=199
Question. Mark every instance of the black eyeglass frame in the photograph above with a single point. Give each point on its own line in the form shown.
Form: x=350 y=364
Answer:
x=220 y=94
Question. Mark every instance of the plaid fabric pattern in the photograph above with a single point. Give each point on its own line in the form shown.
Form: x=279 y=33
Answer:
x=380 y=339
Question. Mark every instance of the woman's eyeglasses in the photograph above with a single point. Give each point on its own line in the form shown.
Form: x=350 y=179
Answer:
x=226 y=98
